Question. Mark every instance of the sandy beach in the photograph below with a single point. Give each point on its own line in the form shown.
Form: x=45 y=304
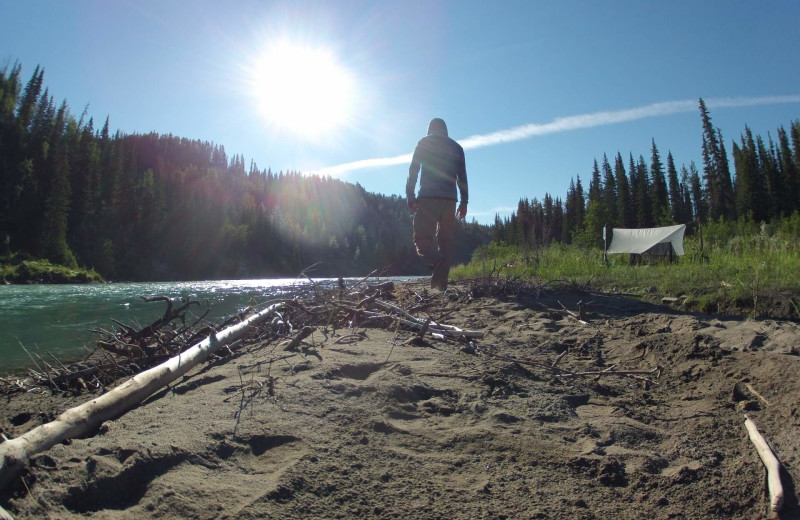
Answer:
x=375 y=422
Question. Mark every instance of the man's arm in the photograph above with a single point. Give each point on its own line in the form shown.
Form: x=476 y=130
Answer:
x=411 y=183
x=463 y=187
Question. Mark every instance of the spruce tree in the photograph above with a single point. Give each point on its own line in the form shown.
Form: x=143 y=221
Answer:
x=687 y=216
x=716 y=172
x=769 y=170
x=677 y=211
x=53 y=229
x=789 y=172
x=795 y=131
x=751 y=197
x=30 y=98
x=699 y=197
x=660 y=194
x=609 y=192
x=625 y=213
x=595 y=184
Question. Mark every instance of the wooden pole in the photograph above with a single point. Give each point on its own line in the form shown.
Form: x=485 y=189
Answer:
x=86 y=418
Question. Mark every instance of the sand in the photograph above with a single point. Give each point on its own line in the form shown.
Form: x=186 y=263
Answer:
x=379 y=425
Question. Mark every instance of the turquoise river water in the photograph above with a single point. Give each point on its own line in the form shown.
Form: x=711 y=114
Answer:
x=56 y=319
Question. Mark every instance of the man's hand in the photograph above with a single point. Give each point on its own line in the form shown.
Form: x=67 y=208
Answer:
x=461 y=212
x=412 y=205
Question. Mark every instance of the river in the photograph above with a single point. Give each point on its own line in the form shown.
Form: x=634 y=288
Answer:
x=56 y=319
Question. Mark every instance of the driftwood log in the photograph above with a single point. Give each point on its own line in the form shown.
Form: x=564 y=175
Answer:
x=86 y=418
x=773 y=467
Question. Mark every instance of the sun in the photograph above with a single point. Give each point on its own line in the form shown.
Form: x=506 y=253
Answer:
x=303 y=89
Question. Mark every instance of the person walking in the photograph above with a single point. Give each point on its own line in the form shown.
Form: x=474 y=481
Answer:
x=441 y=161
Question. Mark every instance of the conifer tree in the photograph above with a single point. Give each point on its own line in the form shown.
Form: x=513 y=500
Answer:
x=677 y=212
x=609 y=192
x=750 y=187
x=580 y=203
x=725 y=183
x=716 y=172
x=30 y=98
x=625 y=213
x=660 y=194
x=789 y=172
x=795 y=131
x=772 y=180
x=53 y=245
x=687 y=216
x=595 y=186
x=699 y=200
x=10 y=141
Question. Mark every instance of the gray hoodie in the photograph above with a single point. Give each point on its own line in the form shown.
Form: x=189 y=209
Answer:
x=443 y=166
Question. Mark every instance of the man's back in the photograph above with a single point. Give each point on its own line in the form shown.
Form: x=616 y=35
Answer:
x=443 y=166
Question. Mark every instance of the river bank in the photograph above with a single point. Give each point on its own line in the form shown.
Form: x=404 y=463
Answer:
x=374 y=422
x=17 y=270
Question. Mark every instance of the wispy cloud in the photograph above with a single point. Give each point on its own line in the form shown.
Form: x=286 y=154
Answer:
x=566 y=124
x=502 y=210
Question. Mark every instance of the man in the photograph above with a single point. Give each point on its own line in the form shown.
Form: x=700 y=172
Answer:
x=443 y=169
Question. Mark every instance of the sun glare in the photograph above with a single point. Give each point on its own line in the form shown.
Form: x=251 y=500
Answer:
x=302 y=89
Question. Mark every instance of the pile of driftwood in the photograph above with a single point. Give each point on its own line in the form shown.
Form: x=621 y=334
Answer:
x=126 y=350
x=119 y=352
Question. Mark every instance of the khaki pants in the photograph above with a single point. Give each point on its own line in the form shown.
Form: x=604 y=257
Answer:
x=434 y=224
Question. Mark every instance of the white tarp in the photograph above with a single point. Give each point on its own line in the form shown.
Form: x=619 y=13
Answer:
x=647 y=240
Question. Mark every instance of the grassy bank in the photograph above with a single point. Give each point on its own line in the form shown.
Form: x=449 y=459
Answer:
x=742 y=268
x=16 y=269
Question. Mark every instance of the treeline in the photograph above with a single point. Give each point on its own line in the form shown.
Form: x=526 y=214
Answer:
x=160 y=207
x=632 y=193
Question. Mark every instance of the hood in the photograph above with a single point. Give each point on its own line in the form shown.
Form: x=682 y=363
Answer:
x=437 y=127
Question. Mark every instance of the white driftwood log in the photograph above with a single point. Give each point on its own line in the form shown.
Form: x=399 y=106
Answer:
x=5 y=515
x=442 y=331
x=772 y=465
x=90 y=415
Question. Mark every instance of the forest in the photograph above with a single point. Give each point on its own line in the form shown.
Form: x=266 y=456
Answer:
x=160 y=207
x=764 y=186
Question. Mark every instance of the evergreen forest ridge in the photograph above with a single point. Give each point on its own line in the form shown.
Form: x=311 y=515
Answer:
x=160 y=207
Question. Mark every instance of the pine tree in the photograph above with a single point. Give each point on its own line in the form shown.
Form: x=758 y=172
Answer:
x=595 y=186
x=751 y=199
x=57 y=195
x=609 y=192
x=677 y=211
x=725 y=183
x=641 y=193
x=716 y=172
x=10 y=144
x=772 y=180
x=660 y=195
x=687 y=216
x=85 y=177
x=580 y=203
x=625 y=213
x=795 y=131
x=570 y=213
x=789 y=172
x=30 y=98
x=699 y=200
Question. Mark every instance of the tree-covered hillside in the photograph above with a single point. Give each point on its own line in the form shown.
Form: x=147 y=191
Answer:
x=160 y=207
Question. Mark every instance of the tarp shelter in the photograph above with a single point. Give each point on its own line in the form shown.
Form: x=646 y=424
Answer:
x=661 y=241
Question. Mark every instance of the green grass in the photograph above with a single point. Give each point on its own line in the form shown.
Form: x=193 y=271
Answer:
x=738 y=260
x=16 y=269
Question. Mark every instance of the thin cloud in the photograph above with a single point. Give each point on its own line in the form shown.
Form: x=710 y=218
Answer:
x=502 y=210
x=566 y=124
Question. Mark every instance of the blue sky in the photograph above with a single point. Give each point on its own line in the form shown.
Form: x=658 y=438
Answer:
x=546 y=86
